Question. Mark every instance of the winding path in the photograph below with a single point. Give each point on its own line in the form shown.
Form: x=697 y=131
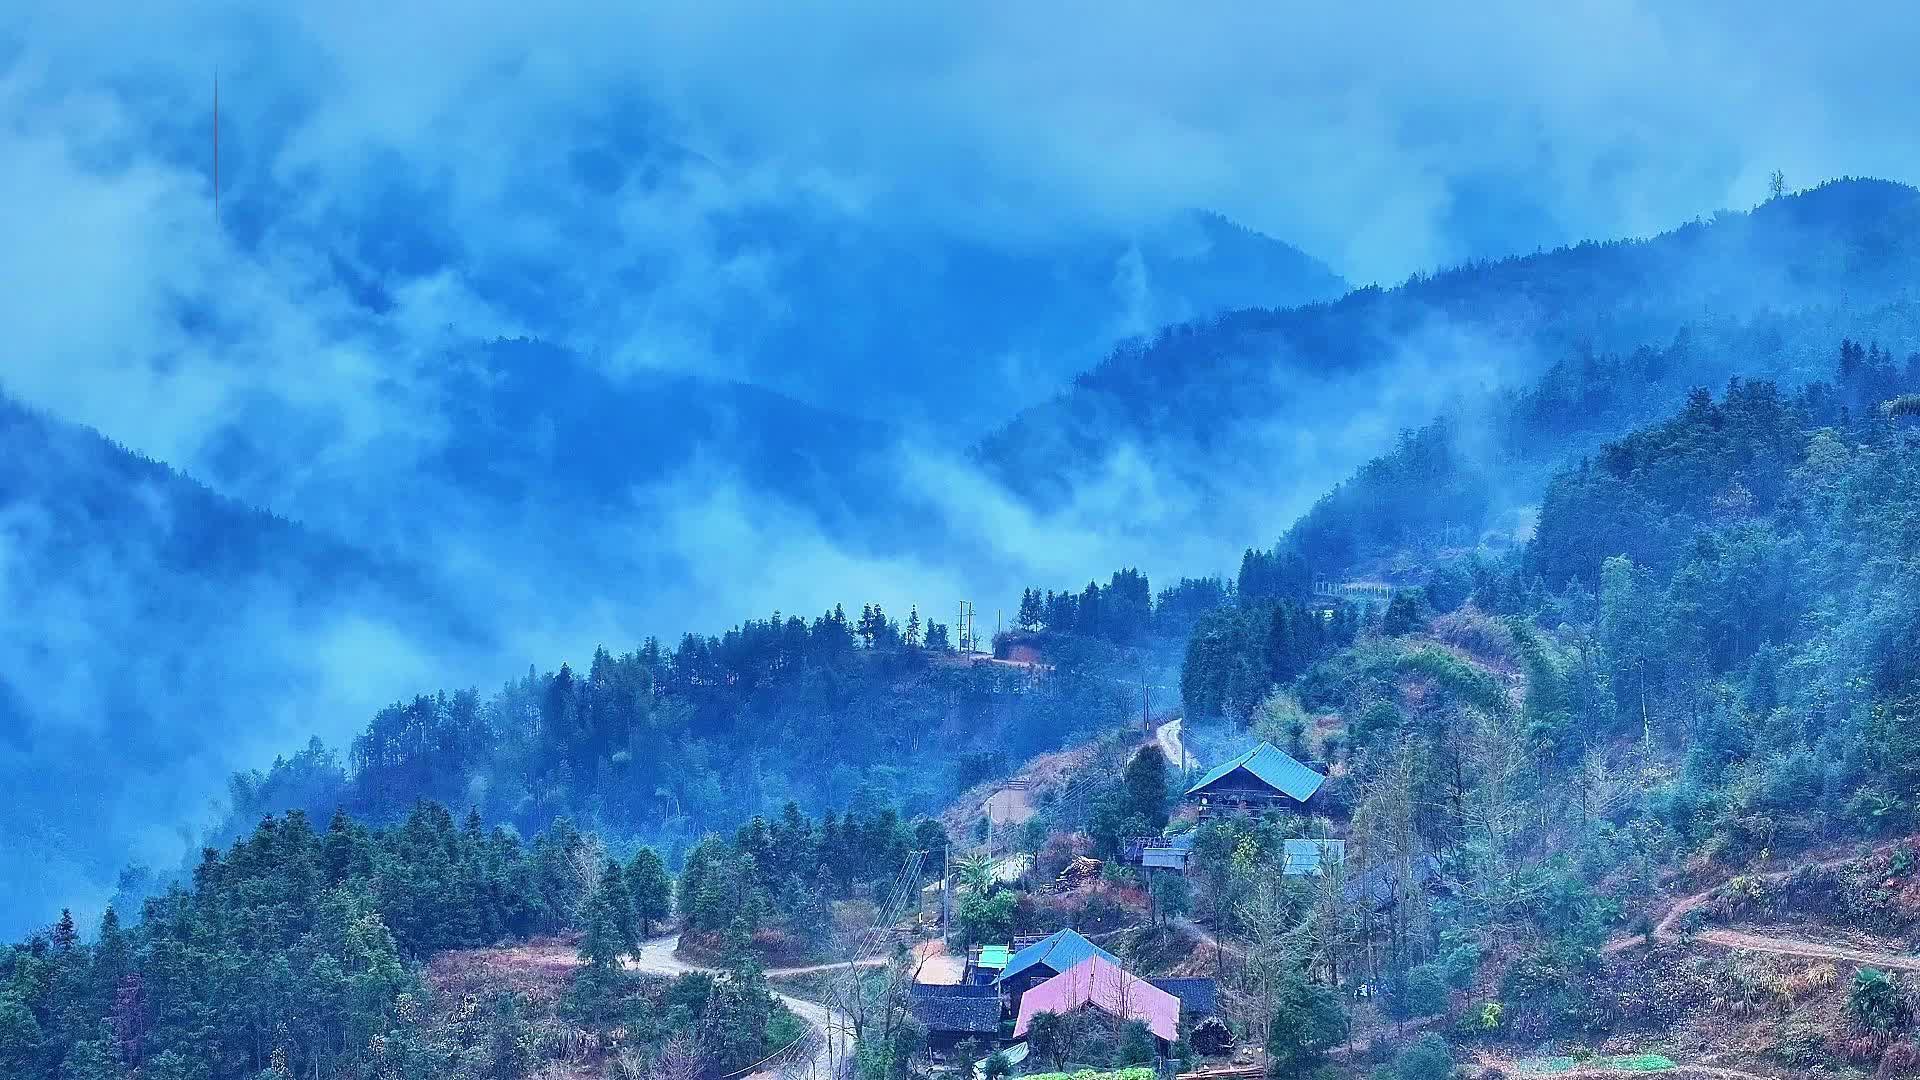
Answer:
x=1602 y=1072
x=1168 y=736
x=1776 y=944
x=657 y=957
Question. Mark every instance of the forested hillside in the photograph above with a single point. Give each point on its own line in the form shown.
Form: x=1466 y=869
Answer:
x=1731 y=587
x=988 y=321
x=1477 y=473
x=1314 y=391
x=1699 y=665
x=154 y=635
x=667 y=744
x=297 y=952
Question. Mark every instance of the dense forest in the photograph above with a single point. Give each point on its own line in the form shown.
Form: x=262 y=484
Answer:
x=667 y=744
x=298 y=952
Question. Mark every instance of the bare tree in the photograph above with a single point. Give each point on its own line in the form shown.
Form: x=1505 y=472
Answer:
x=680 y=1059
x=1276 y=948
x=1388 y=843
x=1333 y=923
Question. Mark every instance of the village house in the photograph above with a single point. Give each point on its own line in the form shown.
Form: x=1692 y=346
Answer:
x=1098 y=983
x=956 y=1014
x=1044 y=959
x=1059 y=973
x=1263 y=778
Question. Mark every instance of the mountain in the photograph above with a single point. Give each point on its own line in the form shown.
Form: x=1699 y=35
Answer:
x=875 y=304
x=964 y=330
x=155 y=635
x=1224 y=426
x=529 y=421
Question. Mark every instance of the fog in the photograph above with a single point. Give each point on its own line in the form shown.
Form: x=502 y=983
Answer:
x=667 y=192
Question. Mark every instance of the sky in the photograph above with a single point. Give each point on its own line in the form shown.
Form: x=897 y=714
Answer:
x=398 y=180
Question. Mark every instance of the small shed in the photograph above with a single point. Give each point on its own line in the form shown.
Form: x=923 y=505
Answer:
x=1311 y=858
x=1160 y=852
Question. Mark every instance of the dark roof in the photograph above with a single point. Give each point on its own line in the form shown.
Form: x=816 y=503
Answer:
x=1198 y=997
x=1058 y=951
x=1271 y=766
x=951 y=990
x=961 y=1014
x=1379 y=885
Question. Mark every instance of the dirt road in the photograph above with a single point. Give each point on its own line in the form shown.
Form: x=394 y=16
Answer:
x=835 y=1047
x=1777 y=944
x=1168 y=736
x=1602 y=1072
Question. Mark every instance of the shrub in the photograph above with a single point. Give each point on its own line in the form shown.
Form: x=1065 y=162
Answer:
x=1876 y=1002
x=1428 y=1059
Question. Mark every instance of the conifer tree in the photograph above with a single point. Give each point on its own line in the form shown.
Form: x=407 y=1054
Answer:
x=651 y=888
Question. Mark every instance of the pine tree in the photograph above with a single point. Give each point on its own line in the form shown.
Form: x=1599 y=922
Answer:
x=1032 y=614
x=651 y=888
x=612 y=892
x=65 y=936
x=601 y=942
x=1145 y=782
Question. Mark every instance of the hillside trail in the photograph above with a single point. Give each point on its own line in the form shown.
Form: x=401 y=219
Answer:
x=1775 y=944
x=657 y=957
x=1208 y=941
x=1171 y=744
x=1602 y=1072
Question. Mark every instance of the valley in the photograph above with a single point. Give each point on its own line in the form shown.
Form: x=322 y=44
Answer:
x=936 y=543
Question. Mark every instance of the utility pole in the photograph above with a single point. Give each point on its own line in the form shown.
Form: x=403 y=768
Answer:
x=1646 y=721
x=969 y=640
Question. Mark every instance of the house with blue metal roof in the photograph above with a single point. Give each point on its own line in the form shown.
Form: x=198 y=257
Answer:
x=1044 y=959
x=1262 y=778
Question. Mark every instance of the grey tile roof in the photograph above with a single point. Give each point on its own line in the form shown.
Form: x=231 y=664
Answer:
x=957 y=1013
x=1199 y=998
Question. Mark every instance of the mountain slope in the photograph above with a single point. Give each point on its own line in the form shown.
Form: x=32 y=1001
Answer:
x=964 y=330
x=153 y=636
x=1247 y=415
